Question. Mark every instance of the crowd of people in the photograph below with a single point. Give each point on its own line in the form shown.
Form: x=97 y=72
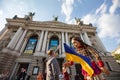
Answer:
x=23 y=75
x=53 y=69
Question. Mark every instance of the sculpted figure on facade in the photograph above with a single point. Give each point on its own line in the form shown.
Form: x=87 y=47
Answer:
x=78 y=21
x=55 y=18
x=30 y=16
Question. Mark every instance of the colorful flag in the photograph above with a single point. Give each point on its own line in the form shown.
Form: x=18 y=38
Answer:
x=85 y=62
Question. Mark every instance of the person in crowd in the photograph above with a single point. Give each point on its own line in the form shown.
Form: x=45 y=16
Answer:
x=4 y=75
x=88 y=51
x=65 y=68
x=22 y=74
x=40 y=76
x=61 y=76
x=28 y=77
x=52 y=66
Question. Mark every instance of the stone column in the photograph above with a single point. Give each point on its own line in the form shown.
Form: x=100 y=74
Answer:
x=39 y=44
x=44 y=42
x=24 y=44
x=86 y=38
x=13 y=41
x=60 y=44
x=47 y=44
x=28 y=70
x=20 y=41
x=17 y=39
x=16 y=64
x=100 y=43
x=63 y=41
x=66 y=37
x=81 y=36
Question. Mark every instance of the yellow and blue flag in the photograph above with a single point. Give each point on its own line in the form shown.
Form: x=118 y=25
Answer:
x=85 y=62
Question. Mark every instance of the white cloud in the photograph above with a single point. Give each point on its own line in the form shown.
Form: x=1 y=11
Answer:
x=118 y=41
x=1 y=12
x=11 y=8
x=102 y=9
x=93 y=17
x=72 y=21
x=116 y=4
x=58 y=0
x=2 y=20
x=109 y=25
x=19 y=8
x=80 y=1
x=89 y=18
x=67 y=8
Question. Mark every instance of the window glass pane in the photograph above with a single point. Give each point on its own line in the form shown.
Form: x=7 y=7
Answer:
x=53 y=44
x=30 y=46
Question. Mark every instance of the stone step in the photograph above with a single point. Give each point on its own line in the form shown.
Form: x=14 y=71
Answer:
x=114 y=74
x=113 y=78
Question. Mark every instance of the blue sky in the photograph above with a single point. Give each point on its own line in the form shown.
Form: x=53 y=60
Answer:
x=103 y=14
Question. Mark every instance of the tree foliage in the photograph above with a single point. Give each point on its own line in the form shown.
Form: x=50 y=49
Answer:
x=117 y=56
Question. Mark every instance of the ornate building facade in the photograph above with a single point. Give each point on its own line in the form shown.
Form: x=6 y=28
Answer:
x=24 y=42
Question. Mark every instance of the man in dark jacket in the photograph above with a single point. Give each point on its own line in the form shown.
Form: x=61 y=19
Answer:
x=22 y=74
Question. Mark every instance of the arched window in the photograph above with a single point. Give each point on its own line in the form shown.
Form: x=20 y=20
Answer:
x=31 y=45
x=54 y=42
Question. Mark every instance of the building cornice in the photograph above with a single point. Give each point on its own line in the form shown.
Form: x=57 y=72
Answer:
x=50 y=25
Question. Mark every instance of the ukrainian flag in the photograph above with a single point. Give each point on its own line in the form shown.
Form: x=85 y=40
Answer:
x=85 y=62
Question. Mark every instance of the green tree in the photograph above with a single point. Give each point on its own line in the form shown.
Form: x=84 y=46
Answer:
x=117 y=56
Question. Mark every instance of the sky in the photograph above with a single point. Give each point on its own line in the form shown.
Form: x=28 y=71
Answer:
x=103 y=14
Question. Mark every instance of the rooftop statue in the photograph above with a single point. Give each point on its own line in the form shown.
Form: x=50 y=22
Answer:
x=55 y=18
x=15 y=17
x=30 y=16
x=78 y=21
